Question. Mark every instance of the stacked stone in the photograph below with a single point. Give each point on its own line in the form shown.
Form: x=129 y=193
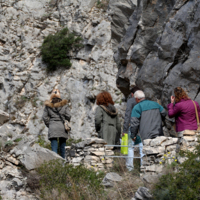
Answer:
x=91 y=153
x=165 y=150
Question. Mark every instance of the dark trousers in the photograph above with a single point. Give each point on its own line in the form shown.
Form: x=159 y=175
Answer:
x=62 y=144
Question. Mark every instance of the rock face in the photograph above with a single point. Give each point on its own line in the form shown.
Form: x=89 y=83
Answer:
x=4 y=117
x=24 y=83
x=160 y=49
x=13 y=182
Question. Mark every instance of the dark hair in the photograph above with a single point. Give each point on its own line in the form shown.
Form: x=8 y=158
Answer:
x=180 y=94
x=134 y=89
x=104 y=98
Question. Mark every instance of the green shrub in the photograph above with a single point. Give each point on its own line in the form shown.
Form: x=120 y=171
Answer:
x=9 y=143
x=185 y=184
x=56 y=48
x=71 y=141
x=18 y=140
x=42 y=142
x=68 y=182
x=103 y=4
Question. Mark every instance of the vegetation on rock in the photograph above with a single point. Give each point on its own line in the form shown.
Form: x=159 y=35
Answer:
x=103 y=4
x=185 y=183
x=68 y=182
x=56 y=49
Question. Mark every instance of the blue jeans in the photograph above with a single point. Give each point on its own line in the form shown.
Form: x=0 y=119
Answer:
x=129 y=161
x=62 y=143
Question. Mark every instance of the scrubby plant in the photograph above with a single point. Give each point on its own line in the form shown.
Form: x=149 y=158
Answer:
x=56 y=49
x=103 y=4
x=9 y=143
x=68 y=182
x=18 y=140
x=185 y=184
x=71 y=141
x=43 y=143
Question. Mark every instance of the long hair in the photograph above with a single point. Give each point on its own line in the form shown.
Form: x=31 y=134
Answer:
x=180 y=94
x=55 y=96
x=104 y=98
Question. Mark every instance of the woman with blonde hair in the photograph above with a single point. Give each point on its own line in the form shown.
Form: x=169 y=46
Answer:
x=183 y=110
x=55 y=113
x=107 y=122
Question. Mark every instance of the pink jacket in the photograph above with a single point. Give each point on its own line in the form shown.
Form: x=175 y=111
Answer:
x=184 y=113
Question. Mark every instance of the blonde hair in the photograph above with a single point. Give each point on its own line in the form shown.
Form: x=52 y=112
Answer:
x=55 y=94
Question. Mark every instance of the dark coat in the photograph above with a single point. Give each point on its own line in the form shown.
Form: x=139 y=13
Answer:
x=107 y=123
x=53 y=121
x=127 y=118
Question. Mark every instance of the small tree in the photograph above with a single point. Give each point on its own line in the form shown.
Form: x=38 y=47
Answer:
x=56 y=49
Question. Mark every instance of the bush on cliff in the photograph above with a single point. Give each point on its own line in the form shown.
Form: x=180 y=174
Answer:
x=56 y=49
x=185 y=184
x=60 y=181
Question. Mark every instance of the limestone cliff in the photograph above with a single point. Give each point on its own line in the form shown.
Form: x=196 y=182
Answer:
x=160 y=49
x=24 y=83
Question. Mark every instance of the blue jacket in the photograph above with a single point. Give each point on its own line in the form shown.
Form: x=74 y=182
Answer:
x=147 y=117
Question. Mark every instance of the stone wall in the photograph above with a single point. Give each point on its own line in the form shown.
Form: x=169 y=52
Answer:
x=91 y=153
x=161 y=151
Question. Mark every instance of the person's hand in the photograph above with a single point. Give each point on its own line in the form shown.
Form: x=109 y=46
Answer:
x=134 y=139
x=172 y=99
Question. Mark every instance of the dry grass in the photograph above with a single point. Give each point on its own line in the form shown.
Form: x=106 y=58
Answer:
x=130 y=183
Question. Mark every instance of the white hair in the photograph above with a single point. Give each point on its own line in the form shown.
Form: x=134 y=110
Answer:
x=139 y=94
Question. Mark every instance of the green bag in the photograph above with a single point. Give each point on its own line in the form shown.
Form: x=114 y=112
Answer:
x=124 y=141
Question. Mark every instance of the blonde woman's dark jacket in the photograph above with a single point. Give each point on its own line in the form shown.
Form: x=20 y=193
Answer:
x=107 y=123
x=52 y=119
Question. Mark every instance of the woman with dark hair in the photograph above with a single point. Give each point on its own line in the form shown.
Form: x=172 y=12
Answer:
x=55 y=113
x=183 y=110
x=107 y=123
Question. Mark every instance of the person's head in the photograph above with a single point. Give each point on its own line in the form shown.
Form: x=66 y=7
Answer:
x=139 y=95
x=134 y=89
x=180 y=94
x=104 y=98
x=55 y=94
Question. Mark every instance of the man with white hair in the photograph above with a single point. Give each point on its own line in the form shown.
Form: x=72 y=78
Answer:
x=146 y=117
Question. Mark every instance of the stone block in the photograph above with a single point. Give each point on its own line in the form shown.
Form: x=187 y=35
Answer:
x=150 y=150
x=72 y=153
x=77 y=160
x=147 y=142
x=154 y=168
x=109 y=153
x=13 y=160
x=97 y=145
x=189 y=138
x=98 y=153
x=157 y=141
x=90 y=141
x=170 y=141
x=171 y=147
x=91 y=158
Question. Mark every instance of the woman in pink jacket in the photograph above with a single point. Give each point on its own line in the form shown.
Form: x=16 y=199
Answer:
x=183 y=110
